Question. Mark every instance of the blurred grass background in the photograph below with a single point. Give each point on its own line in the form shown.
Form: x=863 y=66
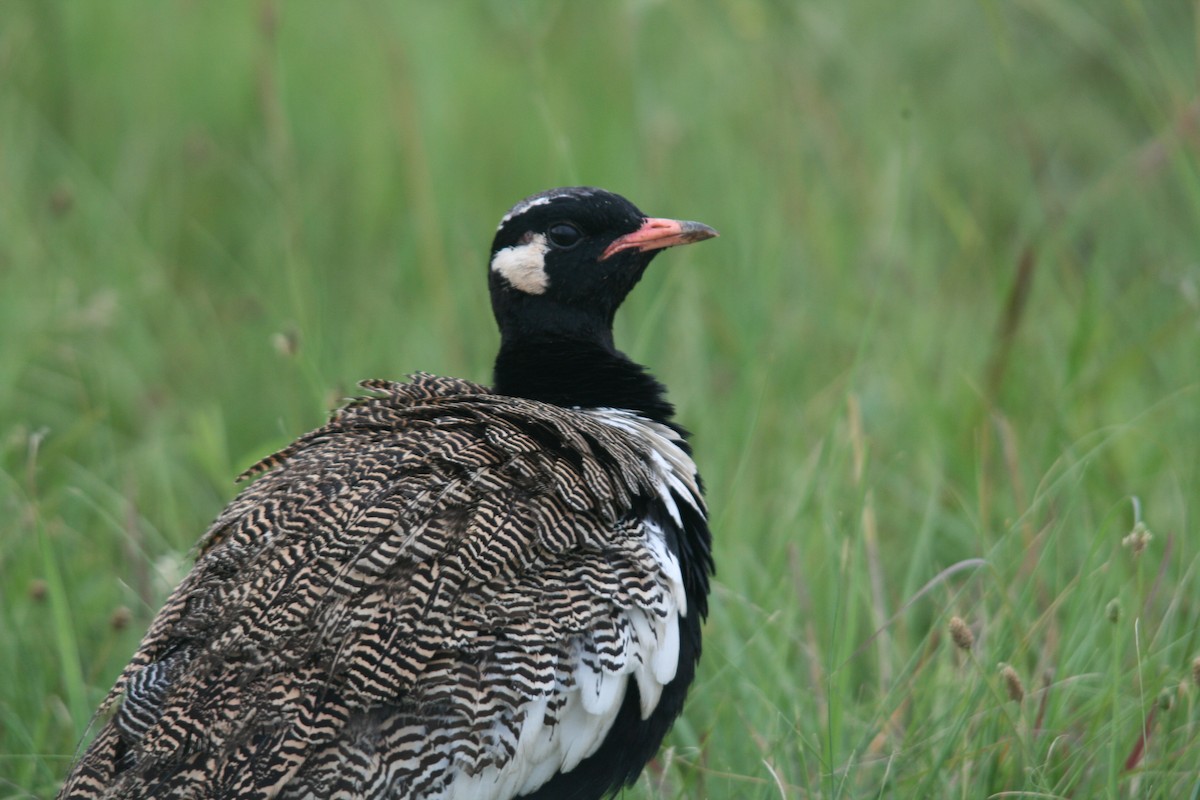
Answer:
x=943 y=360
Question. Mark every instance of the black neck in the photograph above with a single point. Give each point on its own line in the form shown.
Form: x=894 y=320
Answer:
x=571 y=373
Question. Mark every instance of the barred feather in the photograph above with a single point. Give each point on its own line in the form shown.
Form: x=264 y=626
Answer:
x=442 y=593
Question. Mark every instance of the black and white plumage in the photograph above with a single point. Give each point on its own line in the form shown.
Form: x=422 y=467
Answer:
x=448 y=591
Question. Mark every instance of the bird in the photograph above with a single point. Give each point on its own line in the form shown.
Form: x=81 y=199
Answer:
x=449 y=591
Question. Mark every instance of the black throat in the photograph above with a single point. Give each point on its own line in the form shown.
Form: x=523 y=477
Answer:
x=587 y=374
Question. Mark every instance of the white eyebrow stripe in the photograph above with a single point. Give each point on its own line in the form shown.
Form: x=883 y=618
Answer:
x=525 y=205
x=542 y=199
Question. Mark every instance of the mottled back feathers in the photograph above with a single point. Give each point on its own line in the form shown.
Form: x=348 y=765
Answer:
x=442 y=593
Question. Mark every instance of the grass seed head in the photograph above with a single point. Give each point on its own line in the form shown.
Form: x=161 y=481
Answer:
x=38 y=590
x=1012 y=683
x=286 y=343
x=1196 y=670
x=1137 y=539
x=960 y=632
x=120 y=619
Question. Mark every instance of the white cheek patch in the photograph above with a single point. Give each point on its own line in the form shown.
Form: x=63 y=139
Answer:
x=524 y=265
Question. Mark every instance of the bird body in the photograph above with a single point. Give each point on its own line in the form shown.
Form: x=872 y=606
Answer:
x=448 y=591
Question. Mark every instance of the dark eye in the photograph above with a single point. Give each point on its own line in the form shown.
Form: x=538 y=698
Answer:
x=564 y=235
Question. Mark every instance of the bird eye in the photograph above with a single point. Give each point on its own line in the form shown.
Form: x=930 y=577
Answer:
x=564 y=235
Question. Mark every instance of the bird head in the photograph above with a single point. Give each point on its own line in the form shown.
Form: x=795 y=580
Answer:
x=563 y=261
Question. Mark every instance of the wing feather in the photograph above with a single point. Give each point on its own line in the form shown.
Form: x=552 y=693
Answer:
x=440 y=589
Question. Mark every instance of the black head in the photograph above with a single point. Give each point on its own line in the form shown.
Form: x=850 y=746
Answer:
x=563 y=261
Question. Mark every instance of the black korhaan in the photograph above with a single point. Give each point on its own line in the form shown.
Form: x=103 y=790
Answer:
x=448 y=591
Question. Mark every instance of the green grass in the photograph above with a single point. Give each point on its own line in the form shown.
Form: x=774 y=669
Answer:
x=948 y=342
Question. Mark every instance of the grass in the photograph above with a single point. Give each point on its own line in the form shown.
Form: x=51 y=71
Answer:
x=944 y=359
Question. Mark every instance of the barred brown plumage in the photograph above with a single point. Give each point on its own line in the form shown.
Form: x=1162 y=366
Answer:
x=447 y=591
